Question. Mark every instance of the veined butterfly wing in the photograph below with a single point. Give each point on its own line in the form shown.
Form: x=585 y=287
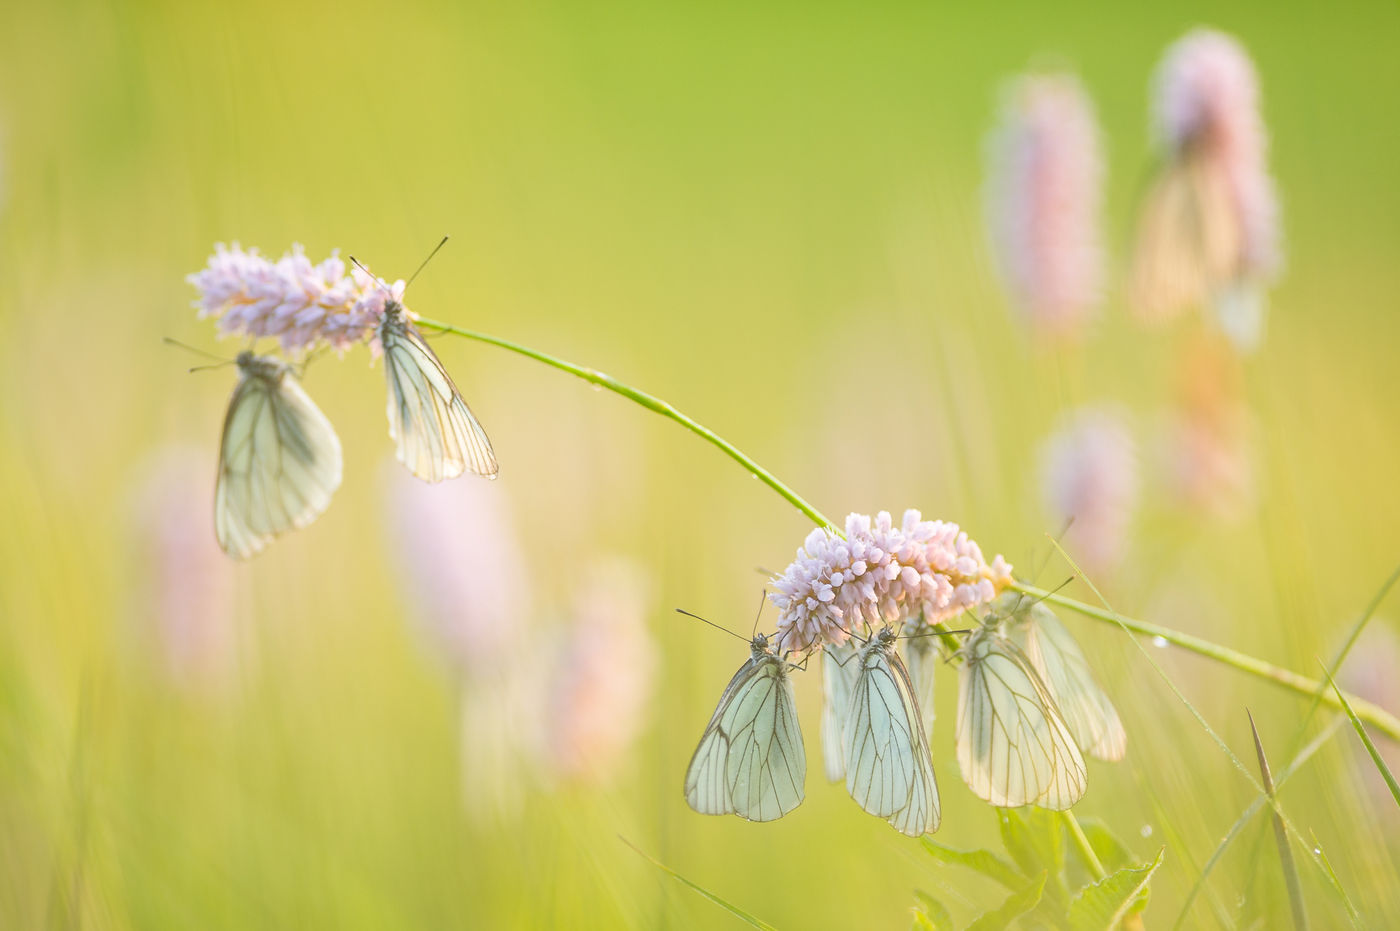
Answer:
x=750 y=761
x=889 y=771
x=839 y=670
x=1014 y=748
x=921 y=660
x=279 y=458
x=435 y=434
x=1085 y=707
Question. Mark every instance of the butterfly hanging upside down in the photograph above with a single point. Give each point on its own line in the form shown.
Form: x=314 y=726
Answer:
x=279 y=459
x=436 y=435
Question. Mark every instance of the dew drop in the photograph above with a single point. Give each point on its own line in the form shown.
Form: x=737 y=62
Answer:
x=1317 y=851
x=1160 y=642
x=753 y=475
x=597 y=387
x=1146 y=830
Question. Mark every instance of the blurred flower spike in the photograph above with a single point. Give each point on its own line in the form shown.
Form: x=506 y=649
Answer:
x=299 y=303
x=1208 y=233
x=880 y=573
x=1045 y=179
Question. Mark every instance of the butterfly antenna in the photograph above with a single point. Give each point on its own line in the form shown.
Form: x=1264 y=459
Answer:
x=170 y=341
x=377 y=280
x=761 y=599
x=1053 y=591
x=205 y=368
x=712 y=624
x=427 y=260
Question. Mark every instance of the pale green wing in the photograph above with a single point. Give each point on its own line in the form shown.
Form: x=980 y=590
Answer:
x=279 y=464
x=435 y=434
x=889 y=771
x=839 y=670
x=921 y=659
x=1014 y=748
x=750 y=760
x=1087 y=710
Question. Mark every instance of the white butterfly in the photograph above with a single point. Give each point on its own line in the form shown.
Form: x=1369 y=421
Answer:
x=839 y=670
x=1014 y=748
x=279 y=460
x=750 y=761
x=889 y=771
x=1087 y=711
x=436 y=434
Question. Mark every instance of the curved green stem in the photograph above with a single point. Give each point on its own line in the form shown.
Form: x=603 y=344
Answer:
x=1081 y=843
x=1366 y=711
x=651 y=403
x=1372 y=714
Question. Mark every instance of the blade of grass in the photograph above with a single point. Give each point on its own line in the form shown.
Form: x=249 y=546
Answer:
x=1352 y=913
x=1285 y=853
x=1366 y=740
x=702 y=891
x=1303 y=756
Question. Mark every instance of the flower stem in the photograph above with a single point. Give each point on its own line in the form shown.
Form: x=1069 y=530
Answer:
x=1372 y=714
x=651 y=403
x=1081 y=842
x=1366 y=711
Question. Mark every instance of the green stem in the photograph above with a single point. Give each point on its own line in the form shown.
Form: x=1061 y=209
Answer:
x=1086 y=850
x=1372 y=714
x=651 y=403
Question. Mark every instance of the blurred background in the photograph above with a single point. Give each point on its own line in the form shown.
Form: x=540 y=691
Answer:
x=771 y=216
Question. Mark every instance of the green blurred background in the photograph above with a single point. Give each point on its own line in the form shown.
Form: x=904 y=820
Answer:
x=769 y=215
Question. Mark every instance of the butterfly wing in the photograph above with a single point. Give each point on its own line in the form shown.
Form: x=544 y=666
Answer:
x=1014 y=748
x=750 y=760
x=1086 y=709
x=889 y=771
x=435 y=434
x=839 y=670
x=921 y=660
x=279 y=463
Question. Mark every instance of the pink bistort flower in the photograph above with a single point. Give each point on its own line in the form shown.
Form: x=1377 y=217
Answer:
x=880 y=573
x=299 y=303
x=1208 y=233
x=1089 y=470
x=1043 y=196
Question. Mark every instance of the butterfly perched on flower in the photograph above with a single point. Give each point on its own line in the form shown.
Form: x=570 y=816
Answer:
x=279 y=459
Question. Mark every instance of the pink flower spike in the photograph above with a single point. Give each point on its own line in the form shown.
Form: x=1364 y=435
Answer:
x=1045 y=180
x=1089 y=469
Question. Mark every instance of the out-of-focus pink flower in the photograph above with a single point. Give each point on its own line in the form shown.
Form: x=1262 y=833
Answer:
x=464 y=576
x=604 y=675
x=1043 y=197
x=1089 y=473
x=185 y=584
x=1208 y=233
x=299 y=303
x=1205 y=449
x=880 y=573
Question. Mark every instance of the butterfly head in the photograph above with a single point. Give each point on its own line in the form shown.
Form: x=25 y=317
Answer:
x=759 y=645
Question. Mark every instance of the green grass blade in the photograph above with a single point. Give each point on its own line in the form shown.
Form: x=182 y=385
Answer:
x=1336 y=887
x=734 y=910
x=1285 y=853
x=1366 y=740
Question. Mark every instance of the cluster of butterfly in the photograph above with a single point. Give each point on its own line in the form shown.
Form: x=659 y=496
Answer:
x=280 y=460
x=1027 y=706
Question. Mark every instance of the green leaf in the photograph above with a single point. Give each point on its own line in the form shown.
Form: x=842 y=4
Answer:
x=981 y=861
x=1104 y=904
x=1033 y=838
x=705 y=893
x=931 y=915
x=1014 y=907
x=1110 y=849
